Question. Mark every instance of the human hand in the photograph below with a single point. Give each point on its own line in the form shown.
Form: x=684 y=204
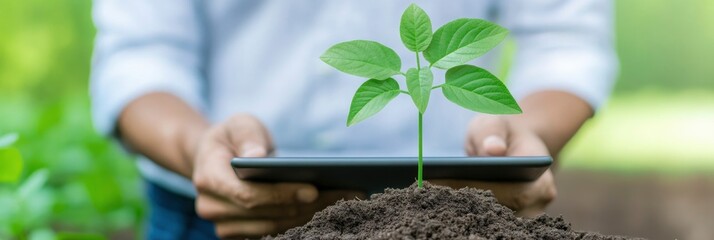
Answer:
x=244 y=209
x=498 y=136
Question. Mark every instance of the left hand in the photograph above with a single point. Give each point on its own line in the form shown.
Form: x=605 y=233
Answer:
x=490 y=135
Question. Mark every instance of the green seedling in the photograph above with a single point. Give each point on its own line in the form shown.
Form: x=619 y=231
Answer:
x=449 y=48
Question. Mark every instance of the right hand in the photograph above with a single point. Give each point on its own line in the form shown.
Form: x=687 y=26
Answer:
x=249 y=209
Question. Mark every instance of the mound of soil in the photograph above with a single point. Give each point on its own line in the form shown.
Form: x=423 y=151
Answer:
x=433 y=212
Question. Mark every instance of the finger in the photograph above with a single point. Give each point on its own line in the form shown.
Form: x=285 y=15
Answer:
x=508 y=194
x=494 y=146
x=244 y=228
x=529 y=197
x=214 y=208
x=213 y=173
x=248 y=137
x=545 y=190
x=527 y=144
x=332 y=196
x=458 y=184
x=470 y=150
x=261 y=227
x=488 y=136
x=218 y=179
x=252 y=149
x=252 y=194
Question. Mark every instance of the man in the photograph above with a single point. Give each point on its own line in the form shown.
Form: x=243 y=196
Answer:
x=191 y=84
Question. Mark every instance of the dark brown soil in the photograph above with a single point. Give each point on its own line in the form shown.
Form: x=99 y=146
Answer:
x=433 y=212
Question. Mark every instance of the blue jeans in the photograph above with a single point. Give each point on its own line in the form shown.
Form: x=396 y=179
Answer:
x=173 y=216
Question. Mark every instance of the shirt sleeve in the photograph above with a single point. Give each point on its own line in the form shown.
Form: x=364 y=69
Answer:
x=562 y=45
x=141 y=47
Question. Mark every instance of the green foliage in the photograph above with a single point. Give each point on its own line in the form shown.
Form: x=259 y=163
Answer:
x=419 y=83
x=370 y=98
x=78 y=236
x=11 y=163
x=92 y=187
x=415 y=28
x=33 y=183
x=476 y=89
x=363 y=58
x=8 y=139
x=25 y=206
x=10 y=159
x=452 y=45
x=463 y=40
x=676 y=59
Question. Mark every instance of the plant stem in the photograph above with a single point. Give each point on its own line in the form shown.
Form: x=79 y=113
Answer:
x=420 y=165
x=421 y=159
x=418 y=65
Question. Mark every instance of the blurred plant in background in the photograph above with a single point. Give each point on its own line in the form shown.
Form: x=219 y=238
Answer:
x=73 y=181
x=660 y=118
x=28 y=204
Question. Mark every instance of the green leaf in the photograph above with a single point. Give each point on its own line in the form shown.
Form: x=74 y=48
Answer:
x=371 y=98
x=103 y=192
x=10 y=164
x=33 y=183
x=42 y=234
x=463 y=40
x=79 y=236
x=363 y=58
x=478 y=90
x=8 y=139
x=419 y=83
x=415 y=28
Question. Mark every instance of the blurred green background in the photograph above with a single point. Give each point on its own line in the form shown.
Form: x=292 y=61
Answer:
x=660 y=119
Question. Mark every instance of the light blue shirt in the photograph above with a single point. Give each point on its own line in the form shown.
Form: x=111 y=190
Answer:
x=262 y=57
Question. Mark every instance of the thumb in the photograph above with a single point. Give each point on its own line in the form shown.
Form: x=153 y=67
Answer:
x=250 y=149
x=488 y=136
x=494 y=145
x=248 y=137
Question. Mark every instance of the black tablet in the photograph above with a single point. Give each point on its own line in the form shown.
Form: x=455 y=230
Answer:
x=373 y=174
